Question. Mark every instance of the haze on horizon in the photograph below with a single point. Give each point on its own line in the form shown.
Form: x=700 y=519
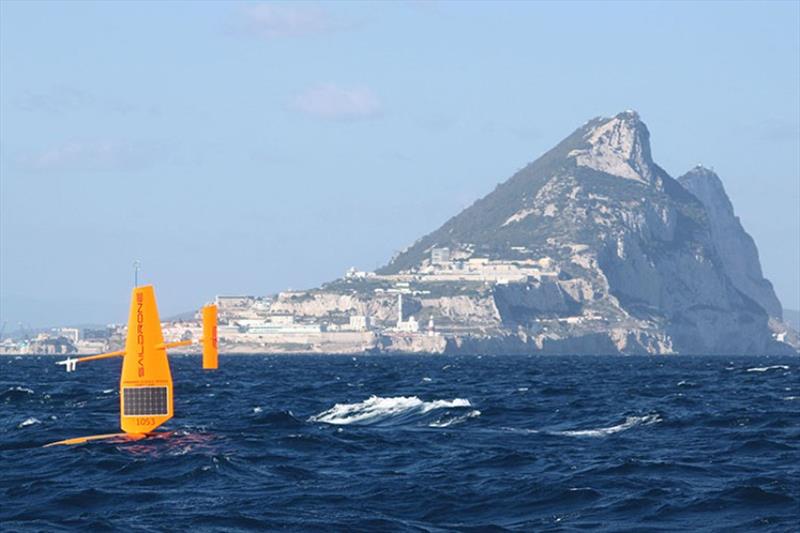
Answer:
x=253 y=147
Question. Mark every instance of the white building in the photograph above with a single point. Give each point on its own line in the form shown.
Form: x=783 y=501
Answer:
x=359 y=323
x=73 y=334
x=353 y=273
x=409 y=326
x=230 y=302
x=271 y=328
x=440 y=256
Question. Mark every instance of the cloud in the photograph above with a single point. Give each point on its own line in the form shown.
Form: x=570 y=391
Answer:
x=95 y=156
x=275 y=20
x=332 y=102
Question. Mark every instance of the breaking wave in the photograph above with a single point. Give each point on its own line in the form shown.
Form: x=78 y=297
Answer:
x=389 y=411
x=447 y=421
x=29 y=422
x=629 y=423
x=15 y=393
x=766 y=368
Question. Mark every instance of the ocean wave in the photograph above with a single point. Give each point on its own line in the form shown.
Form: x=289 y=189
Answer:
x=448 y=421
x=377 y=410
x=16 y=393
x=726 y=458
x=630 y=422
x=29 y=422
x=762 y=445
x=283 y=418
x=766 y=368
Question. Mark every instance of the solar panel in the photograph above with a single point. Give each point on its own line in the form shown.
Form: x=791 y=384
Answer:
x=143 y=401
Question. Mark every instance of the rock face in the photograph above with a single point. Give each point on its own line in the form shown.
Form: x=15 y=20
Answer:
x=645 y=265
x=736 y=248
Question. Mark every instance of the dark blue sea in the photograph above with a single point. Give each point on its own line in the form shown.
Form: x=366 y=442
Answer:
x=405 y=443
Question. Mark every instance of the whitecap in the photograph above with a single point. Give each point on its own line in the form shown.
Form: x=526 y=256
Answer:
x=257 y=409
x=522 y=389
x=376 y=409
x=29 y=422
x=427 y=380
x=630 y=422
x=451 y=421
x=765 y=368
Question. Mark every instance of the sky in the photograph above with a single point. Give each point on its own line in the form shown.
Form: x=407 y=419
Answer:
x=248 y=148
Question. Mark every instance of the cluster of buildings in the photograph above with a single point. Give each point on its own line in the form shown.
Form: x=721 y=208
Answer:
x=445 y=266
x=64 y=341
x=255 y=323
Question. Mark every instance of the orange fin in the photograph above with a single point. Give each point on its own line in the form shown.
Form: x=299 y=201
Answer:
x=210 y=341
x=145 y=387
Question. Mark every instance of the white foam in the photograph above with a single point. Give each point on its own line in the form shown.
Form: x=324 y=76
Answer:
x=630 y=422
x=29 y=422
x=444 y=404
x=257 y=409
x=375 y=409
x=765 y=368
x=455 y=420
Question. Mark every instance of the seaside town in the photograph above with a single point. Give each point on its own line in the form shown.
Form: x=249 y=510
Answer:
x=411 y=311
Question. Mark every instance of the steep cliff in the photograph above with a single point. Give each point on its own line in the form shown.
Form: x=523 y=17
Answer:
x=736 y=247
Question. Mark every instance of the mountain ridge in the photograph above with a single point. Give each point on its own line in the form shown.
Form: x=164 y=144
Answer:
x=648 y=244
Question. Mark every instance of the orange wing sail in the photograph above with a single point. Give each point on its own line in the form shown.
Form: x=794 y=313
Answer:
x=145 y=387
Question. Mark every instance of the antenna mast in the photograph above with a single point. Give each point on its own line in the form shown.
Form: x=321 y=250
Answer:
x=136 y=265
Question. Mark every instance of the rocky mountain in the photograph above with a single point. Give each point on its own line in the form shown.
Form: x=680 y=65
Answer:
x=645 y=263
x=736 y=247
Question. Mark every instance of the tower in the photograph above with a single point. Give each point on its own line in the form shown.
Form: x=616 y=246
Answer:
x=399 y=308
